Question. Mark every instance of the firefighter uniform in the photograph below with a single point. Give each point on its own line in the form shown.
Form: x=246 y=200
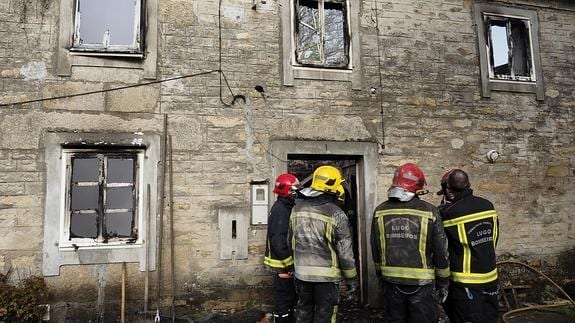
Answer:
x=323 y=255
x=409 y=250
x=471 y=227
x=278 y=258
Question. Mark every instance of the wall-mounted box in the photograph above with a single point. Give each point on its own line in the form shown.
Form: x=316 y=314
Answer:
x=260 y=201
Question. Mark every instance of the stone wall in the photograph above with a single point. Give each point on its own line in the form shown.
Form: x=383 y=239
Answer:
x=420 y=101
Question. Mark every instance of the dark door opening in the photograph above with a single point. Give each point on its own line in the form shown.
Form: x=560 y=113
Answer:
x=303 y=165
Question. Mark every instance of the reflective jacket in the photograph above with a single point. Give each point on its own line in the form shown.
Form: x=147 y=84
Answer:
x=321 y=241
x=471 y=226
x=408 y=243
x=278 y=256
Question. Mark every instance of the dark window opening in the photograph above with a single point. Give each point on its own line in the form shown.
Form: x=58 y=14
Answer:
x=302 y=166
x=322 y=33
x=509 y=49
x=102 y=195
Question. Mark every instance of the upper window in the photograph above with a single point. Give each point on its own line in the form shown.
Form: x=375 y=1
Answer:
x=107 y=25
x=509 y=50
x=101 y=197
x=322 y=33
x=321 y=41
x=100 y=33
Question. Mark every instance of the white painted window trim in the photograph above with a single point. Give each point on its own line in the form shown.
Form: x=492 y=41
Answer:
x=55 y=256
x=135 y=49
x=488 y=82
x=145 y=60
x=65 y=242
x=292 y=71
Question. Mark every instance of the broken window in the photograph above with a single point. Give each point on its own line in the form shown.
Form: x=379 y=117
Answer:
x=508 y=50
x=509 y=46
x=322 y=33
x=108 y=26
x=102 y=196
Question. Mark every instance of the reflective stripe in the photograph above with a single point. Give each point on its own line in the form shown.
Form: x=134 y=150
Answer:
x=329 y=237
x=332 y=272
x=471 y=217
x=423 y=242
x=469 y=278
x=423 y=214
x=466 y=249
x=406 y=272
x=495 y=231
x=334 y=314
x=381 y=225
x=349 y=273
x=278 y=263
x=443 y=273
x=317 y=216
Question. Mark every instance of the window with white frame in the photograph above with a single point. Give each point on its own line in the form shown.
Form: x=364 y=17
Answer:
x=101 y=197
x=321 y=41
x=100 y=33
x=107 y=25
x=509 y=49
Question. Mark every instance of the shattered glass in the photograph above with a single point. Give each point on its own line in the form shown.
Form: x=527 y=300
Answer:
x=322 y=33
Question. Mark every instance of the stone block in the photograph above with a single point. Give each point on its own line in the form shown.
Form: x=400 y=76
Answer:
x=92 y=102
x=137 y=99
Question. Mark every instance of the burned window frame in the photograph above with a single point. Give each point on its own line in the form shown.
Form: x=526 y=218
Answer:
x=136 y=48
x=491 y=81
x=292 y=71
x=322 y=61
x=67 y=238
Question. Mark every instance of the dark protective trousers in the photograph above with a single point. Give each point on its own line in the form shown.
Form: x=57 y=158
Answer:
x=284 y=296
x=472 y=305
x=317 y=302
x=413 y=304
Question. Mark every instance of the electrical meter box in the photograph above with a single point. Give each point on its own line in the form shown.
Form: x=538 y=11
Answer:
x=260 y=201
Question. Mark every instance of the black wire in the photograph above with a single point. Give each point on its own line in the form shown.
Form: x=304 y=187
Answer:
x=220 y=59
x=108 y=90
x=380 y=80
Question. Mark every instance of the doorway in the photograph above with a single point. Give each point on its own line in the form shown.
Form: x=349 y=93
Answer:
x=358 y=162
x=303 y=166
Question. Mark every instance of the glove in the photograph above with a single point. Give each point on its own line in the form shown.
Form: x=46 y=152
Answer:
x=442 y=289
x=353 y=290
x=442 y=295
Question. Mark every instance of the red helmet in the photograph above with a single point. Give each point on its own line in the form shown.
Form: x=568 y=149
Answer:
x=444 y=179
x=409 y=177
x=286 y=185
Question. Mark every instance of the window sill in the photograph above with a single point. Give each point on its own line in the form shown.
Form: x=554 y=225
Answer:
x=312 y=73
x=83 y=52
x=68 y=248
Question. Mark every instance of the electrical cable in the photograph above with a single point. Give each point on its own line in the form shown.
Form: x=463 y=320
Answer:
x=376 y=21
x=110 y=90
x=535 y=307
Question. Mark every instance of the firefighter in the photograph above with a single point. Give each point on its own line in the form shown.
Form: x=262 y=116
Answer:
x=445 y=196
x=471 y=226
x=322 y=248
x=278 y=257
x=409 y=250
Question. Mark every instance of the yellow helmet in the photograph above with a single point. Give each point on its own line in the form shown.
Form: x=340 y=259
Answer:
x=328 y=179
